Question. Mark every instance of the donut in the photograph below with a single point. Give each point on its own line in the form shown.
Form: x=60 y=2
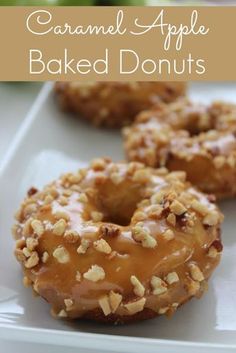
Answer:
x=117 y=242
x=114 y=104
x=195 y=138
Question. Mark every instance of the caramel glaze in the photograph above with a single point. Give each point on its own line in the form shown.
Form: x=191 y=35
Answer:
x=130 y=198
x=115 y=104
x=195 y=138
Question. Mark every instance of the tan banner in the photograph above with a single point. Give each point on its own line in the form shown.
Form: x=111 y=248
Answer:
x=117 y=43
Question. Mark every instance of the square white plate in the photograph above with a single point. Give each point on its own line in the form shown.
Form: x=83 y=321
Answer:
x=49 y=143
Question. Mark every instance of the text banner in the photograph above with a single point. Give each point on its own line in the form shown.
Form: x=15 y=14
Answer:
x=117 y=43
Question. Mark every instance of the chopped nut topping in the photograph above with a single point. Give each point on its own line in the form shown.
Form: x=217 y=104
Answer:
x=59 y=227
x=27 y=282
x=133 y=166
x=162 y=171
x=32 y=191
x=102 y=245
x=100 y=178
x=158 y=285
x=177 y=208
x=76 y=188
x=219 y=162
x=136 y=306
x=16 y=231
x=90 y=192
x=185 y=198
x=180 y=175
x=96 y=216
x=33 y=260
x=20 y=243
x=19 y=255
x=98 y=164
x=199 y=207
x=112 y=255
x=26 y=252
x=71 y=236
x=211 y=219
x=184 y=154
x=171 y=219
x=61 y=254
x=63 y=201
x=37 y=227
x=48 y=199
x=31 y=243
x=36 y=288
x=83 y=172
x=139 y=289
x=53 y=191
x=172 y=196
x=67 y=193
x=30 y=209
x=172 y=277
x=143 y=203
x=161 y=137
x=115 y=299
x=168 y=235
x=109 y=230
x=163 y=311
x=158 y=197
x=62 y=313
x=45 y=257
x=196 y=273
x=78 y=276
x=218 y=245
x=27 y=229
x=83 y=198
x=155 y=210
x=95 y=274
x=75 y=178
x=17 y=215
x=140 y=216
x=105 y=305
x=204 y=286
x=142 y=176
x=193 y=287
x=212 y=252
x=141 y=234
x=61 y=214
x=83 y=246
x=116 y=178
x=68 y=303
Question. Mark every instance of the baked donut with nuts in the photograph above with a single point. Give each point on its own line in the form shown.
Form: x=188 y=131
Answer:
x=118 y=242
x=195 y=138
x=115 y=104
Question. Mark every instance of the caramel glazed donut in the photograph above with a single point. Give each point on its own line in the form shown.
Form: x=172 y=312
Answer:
x=115 y=104
x=198 y=139
x=118 y=242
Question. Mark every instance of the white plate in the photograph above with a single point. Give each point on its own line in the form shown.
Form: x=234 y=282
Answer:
x=49 y=143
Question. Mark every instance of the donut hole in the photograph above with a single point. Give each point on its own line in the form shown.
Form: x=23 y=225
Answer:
x=119 y=218
x=119 y=202
x=195 y=119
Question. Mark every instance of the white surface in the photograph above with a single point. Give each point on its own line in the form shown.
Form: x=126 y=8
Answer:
x=15 y=101
x=50 y=142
